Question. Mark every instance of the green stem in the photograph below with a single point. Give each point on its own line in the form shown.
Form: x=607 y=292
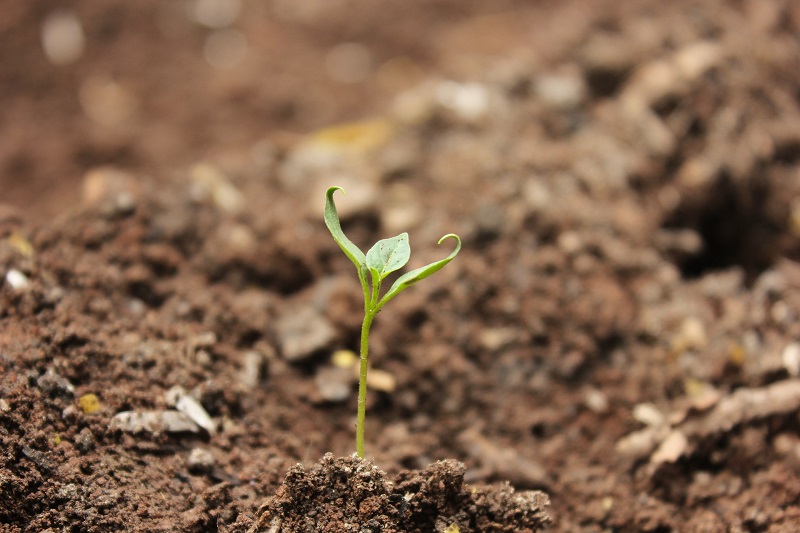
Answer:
x=362 y=382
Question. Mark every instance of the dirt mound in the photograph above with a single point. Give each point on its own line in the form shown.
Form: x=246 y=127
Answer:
x=342 y=494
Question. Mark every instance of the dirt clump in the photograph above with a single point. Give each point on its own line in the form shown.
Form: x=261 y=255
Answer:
x=352 y=494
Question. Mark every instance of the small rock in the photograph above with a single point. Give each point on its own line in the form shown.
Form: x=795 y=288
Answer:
x=596 y=401
x=55 y=385
x=68 y=492
x=39 y=458
x=788 y=446
x=344 y=359
x=62 y=37
x=691 y=336
x=302 y=333
x=536 y=195
x=254 y=369
x=214 y=14
x=570 y=242
x=200 y=461
x=334 y=384
x=671 y=449
x=17 y=280
x=469 y=102
x=203 y=358
x=106 y=101
x=206 y=339
x=166 y=421
x=4 y=407
x=791 y=359
x=192 y=408
x=84 y=440
x=496 y=339
x=174 y=394
x=648 y=414
x=197 y=347
x=381 y=380
x=112 y=187
x=89 y=403
x=562 y=91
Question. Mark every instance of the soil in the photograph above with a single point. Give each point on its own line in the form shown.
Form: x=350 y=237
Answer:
x=616 y=348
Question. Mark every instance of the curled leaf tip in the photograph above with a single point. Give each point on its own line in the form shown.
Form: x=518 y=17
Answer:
x=448 y=236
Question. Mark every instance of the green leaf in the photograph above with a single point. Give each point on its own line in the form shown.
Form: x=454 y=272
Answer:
x=334 y=226
x=410 y=278
x=388 y=255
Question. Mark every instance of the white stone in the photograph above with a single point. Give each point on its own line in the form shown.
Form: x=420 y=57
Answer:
x=62 y=36
x=192 y=408
x=791 y=359
x=17 y=280
x=166 y=421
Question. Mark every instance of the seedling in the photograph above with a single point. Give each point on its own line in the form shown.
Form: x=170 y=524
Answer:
x=385 y=257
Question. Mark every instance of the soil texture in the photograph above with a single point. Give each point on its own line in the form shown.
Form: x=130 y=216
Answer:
x=616 y=347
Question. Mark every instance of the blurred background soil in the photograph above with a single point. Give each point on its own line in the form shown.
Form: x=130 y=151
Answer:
x=621 y=329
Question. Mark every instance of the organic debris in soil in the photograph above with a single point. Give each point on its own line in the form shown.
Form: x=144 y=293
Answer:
x=352 y=494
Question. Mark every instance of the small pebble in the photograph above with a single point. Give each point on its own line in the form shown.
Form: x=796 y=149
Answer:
x=561 y=91
x=89 y=403
x=68 y=492
x=648 y=414
x=174 y=394
x=166 y=421
x=334 y=384
x=214 y=13
x=791 y=359
x=302 y=333
x=111 y=186
x=596 y=401
x=200 y=461
x=55 y=385
x=192 y=408
x=344 y=358
x=106 y=101
x=691 y=336
x=254 y=369
x=469 y=102
x=62 y=36
x=671 y=449
x=17 y=280
x=495 y=339
x=381 y=380
x=84 y=440
x=570 y=242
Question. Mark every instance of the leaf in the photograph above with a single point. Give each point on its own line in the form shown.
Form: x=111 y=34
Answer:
x=388 y=255
x=352 y=251
x=409 y=278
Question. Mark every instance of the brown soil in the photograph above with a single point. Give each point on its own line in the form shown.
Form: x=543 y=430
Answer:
x=620 y=332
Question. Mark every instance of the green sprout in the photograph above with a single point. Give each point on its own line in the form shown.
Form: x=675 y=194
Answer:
x=385 y=257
